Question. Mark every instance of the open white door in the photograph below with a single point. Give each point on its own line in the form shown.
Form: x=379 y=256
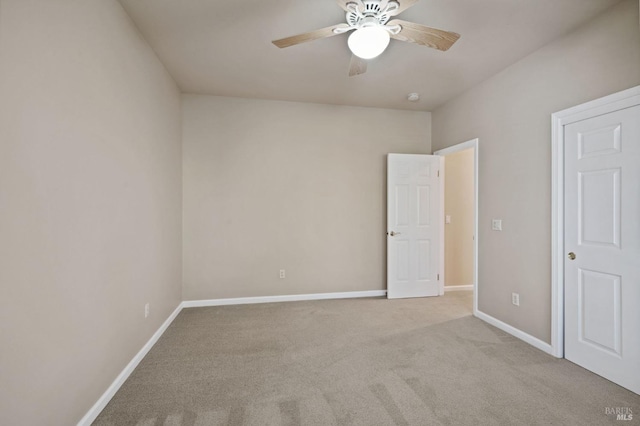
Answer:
x=602 y=243
x=415 y=225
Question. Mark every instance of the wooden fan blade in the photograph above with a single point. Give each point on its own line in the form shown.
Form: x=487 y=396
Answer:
x=404 y=5
x=343 y=4
x=426 y=36
x=310 y=36
x=357 y=66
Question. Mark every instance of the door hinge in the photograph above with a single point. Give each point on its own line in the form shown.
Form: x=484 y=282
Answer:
x=438 y=173
x=438 y=277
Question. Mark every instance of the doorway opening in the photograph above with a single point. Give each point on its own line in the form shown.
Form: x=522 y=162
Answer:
x=460 y=200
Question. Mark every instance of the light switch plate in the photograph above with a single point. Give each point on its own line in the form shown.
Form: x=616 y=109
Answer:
x=447 y=219
x=496 y=224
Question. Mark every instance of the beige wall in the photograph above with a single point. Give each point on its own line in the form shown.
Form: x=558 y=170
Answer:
x=90 y=189
x=511 y=115
x=280 y=185
x=459 y=206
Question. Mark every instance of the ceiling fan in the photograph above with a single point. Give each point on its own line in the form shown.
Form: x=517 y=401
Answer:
x=373 y=29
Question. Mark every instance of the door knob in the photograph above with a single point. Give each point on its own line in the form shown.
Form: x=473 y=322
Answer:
x=393 y=234
x=571 y=255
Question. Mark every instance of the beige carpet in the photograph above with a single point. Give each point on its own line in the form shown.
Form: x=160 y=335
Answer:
x=356 y=362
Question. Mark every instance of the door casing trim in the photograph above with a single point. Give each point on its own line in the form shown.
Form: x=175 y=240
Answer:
x=617 y=101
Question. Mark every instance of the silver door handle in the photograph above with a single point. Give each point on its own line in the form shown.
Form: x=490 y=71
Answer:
x=393 y=234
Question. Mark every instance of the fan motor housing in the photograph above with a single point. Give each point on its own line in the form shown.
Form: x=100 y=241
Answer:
x=371 y=11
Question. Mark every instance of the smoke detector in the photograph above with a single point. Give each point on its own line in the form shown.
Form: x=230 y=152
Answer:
x=413 y=97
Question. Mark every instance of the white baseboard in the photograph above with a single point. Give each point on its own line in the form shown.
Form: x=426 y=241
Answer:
x=286 y=298
x=533 y=341
x=458 y=288
x=97 y=408
x=102 y=402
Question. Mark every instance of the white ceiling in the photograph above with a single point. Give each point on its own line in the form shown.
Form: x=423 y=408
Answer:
x=224 y=47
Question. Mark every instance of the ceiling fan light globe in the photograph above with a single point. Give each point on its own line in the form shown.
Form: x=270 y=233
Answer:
x=368 y=42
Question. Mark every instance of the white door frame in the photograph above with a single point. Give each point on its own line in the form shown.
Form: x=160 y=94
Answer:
x=625 y=99
x=473 y=143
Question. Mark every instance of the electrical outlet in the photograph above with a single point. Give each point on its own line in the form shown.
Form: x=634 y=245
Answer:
x=146 y=310
x=515 y=299
x=282 y=274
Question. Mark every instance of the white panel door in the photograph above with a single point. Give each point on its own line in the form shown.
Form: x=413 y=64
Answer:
x=414 y=225
x=602 y=243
